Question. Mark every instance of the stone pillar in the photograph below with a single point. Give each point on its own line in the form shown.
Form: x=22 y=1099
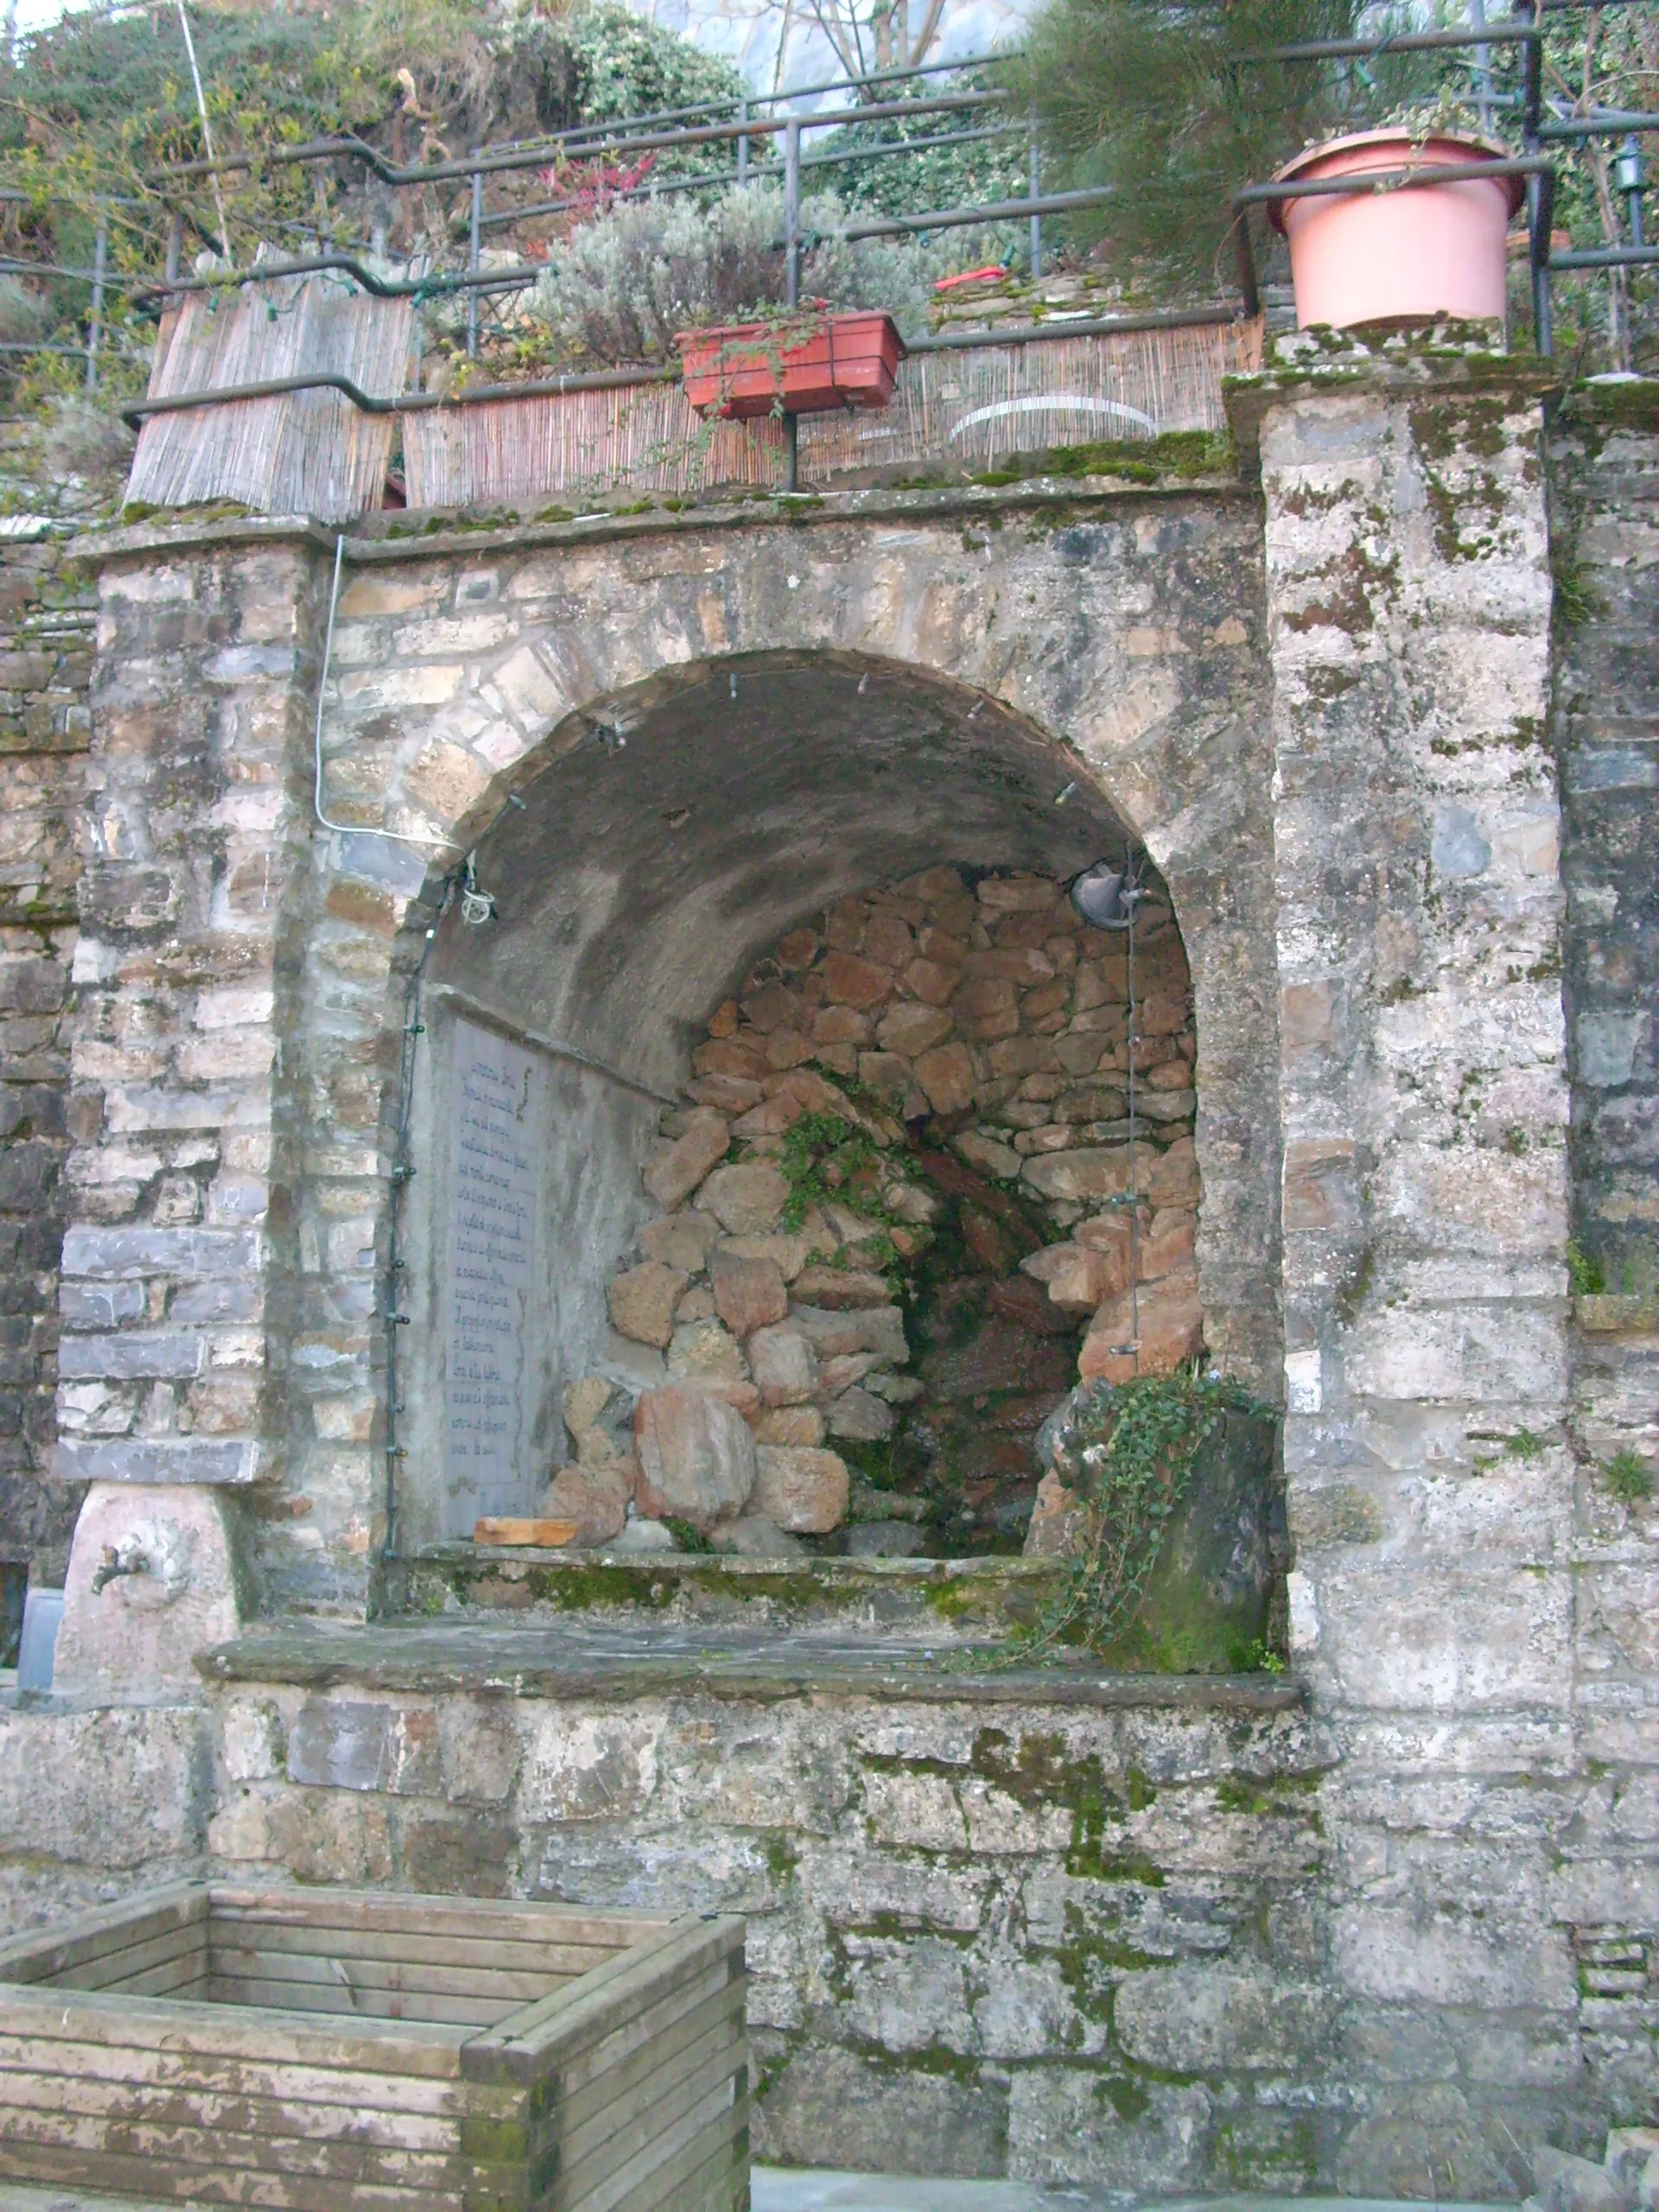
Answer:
x=1423 y=1101
x=177 y=1271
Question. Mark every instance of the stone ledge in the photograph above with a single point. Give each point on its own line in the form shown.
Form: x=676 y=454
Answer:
x=935 y=1602
x=569 y=1663
x=364 y=545
x=1431 y=361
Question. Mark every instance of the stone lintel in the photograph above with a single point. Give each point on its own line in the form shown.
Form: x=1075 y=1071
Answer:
x=612 y=1669
x=372 y=542
x=162 y=1460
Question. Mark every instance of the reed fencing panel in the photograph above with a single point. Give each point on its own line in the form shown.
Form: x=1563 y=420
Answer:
x=971 y=405
x=310 y=453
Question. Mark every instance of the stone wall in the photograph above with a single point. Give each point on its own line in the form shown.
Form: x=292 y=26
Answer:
x=179 y=1258
x=100 y=1801
x=46 y=619
x=232 y=1316
x=907 y=1139
x=1604 y=450
x=983 y=1939
x=1344 y=774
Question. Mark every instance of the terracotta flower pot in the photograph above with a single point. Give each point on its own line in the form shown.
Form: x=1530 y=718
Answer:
x=849 y=359
x=1428 y=250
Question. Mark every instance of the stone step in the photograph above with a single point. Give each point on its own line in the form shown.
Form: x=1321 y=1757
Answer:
x=929 y=1601
x=777 y=2188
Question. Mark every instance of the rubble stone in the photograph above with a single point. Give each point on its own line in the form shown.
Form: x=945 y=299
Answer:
x=644 y=1299
x=784 y=1364
x=677 y=1172
x=860 y=1416
x=1168 y=1329
x=747 y=1200
x=801 y=1490
x=696 y=1457
x=749 y=1294
x=595 y=1499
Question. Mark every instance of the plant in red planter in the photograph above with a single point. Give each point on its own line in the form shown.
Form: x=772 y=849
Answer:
x=805 y=360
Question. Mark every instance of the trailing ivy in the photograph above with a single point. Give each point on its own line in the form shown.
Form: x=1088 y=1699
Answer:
x=1142 y=1441
x=823 y=1159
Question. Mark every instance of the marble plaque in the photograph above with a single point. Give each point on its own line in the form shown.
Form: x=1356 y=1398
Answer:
x=494 y=1198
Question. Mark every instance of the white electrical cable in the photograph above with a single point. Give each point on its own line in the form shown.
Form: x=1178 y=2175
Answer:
x=350 y=829
x=207 y=130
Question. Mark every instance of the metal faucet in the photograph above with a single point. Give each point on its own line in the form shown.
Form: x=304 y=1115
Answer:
x=117 y=1560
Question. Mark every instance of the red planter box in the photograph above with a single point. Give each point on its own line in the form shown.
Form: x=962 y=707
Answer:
x=846 y=360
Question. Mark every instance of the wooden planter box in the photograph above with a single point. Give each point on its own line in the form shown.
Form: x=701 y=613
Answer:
x=340 y=2050
x=847 y=361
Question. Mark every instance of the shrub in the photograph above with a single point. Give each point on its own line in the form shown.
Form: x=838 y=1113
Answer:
x=619 y=286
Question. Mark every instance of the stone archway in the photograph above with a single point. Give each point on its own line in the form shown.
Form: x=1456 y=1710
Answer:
x=695 y=830
x=1116 y=640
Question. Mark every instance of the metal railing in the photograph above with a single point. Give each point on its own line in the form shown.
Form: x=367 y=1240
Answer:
x=1538 y=129
x=768 y=134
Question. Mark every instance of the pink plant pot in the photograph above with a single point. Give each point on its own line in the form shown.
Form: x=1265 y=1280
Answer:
x=1432 y=249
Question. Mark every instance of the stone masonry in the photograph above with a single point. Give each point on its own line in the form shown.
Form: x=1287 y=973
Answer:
x=47 y=616
x=972 y=1044
x=1386 y=1924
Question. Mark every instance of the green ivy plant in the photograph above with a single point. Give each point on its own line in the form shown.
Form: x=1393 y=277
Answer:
x=1147 y=1435
x=820 y=1159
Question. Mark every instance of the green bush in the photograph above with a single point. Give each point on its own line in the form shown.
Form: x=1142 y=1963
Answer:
x=621 y=286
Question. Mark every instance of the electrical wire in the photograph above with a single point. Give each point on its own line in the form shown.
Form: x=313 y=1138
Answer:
x=350 y=829
x=207 y=131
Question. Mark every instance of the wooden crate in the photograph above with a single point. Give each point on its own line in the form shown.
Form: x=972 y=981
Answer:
x=342 y=2050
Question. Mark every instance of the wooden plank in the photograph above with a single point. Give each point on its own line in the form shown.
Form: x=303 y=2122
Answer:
x=684 y=1994
x=719 y=2183
x=721 y=2051
x=408 y=1946
x=653 y=2129
x=117 y=1969
x=495 y=1985
x=716 y=2025
x=123 y=2175
x=180 y=2147
x=539 y=1534
x=679 y=2146
x=208 y=2073
x=93 y=1934
x=274 y=2118
x=338 y=2000
x=526 y=2043
x=510 y=1917
x=217 y=2032
x=186 y=1979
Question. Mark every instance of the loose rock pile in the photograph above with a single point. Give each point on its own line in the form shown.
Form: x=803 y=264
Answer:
x=970 y=1042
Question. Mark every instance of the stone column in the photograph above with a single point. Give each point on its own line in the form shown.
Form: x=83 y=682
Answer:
x=177 y=1271
x=1423 y=1101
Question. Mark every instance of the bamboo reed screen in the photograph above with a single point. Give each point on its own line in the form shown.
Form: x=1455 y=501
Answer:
x=310 y=453
x=973 y=404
